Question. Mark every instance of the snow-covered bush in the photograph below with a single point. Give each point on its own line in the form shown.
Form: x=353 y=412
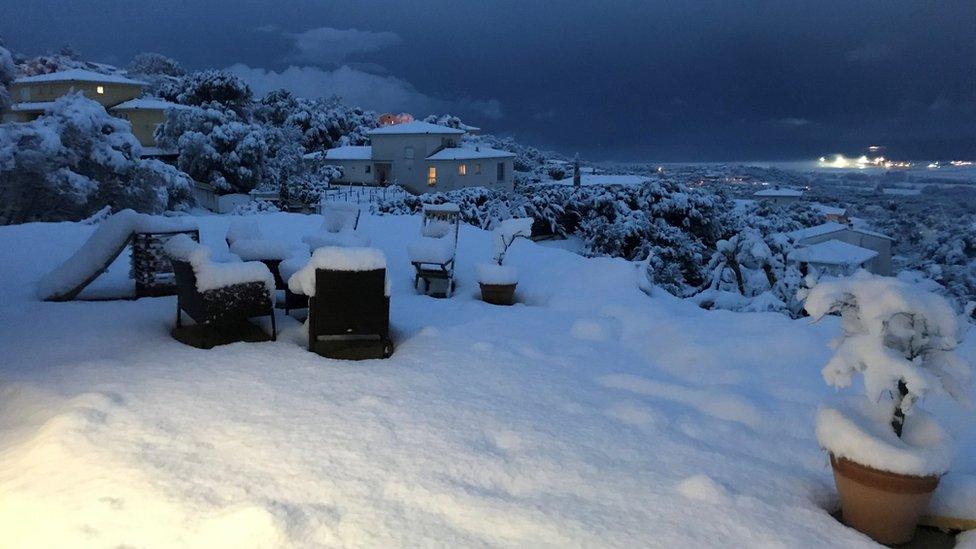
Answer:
x=308 y=187
x=255 y=207
x=213 y=89
x=74 y=160
x=902 y=342
x=150 y=63
x=7 y=71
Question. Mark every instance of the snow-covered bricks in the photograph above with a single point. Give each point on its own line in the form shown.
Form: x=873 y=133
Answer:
x=334 y=258
x=211 y=274
x=102 y=247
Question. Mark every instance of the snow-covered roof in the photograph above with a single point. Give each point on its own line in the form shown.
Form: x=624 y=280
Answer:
x=833 y=252
x=779 y=193
x=469 y=153
x=415 y=127
x=157 y=151
x=828 y=210
x=32 y=106
x=79 y=75
x=147 y=103
x=445 y=207
x=828 y=228
x=349 y=153
x=587 y=179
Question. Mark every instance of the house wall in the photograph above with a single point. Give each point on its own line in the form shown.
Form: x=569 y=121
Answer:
x=410 y=173
x=144 y=122
x=39 y=92
x=354 y=171
x=881 y=264
x=449 y=177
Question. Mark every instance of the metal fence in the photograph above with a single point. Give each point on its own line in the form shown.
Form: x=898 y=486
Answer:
x=363 y=195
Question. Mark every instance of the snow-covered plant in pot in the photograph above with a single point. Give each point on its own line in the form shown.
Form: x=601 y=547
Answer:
x=496 y=279
x=887 y=455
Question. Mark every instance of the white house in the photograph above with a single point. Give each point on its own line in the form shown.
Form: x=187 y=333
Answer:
x=833 y=257
x=423 y=157
x=855 y=236
x=779 y=196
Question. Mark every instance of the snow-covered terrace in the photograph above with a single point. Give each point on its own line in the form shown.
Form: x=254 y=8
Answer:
x=589 y=414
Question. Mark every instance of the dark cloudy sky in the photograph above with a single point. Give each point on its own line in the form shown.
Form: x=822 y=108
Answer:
x=612 y=79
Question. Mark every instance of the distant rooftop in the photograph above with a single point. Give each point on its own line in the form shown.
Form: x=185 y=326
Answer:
x=833 y=252
x=79 y=75
x=348 y=152
x=468 y=153
x=415 y=127
x=147 y=103
x=779 y=192
x=828 y=228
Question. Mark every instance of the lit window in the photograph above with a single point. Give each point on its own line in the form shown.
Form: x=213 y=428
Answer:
x=100 y=90
x=463 y=169
x=408 y=152
x=477 y=169
x=431 y=176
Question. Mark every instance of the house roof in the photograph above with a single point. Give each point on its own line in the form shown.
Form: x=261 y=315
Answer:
x=415 y=127
x=79 y=75
x=147 y=103
x=779 y=192
x=828 y=228
x=469 y=153
x=445 y=207
x=833 y=252
x=828 y=210
x=350 y=153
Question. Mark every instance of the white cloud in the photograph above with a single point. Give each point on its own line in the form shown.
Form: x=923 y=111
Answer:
x=326 y=45
x=381 y=93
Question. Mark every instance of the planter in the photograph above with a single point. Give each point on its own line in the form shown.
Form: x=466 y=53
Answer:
x=498 y=294
x=883 y=505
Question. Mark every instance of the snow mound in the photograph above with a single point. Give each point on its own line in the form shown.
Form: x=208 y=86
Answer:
x=431 y=250
x=589 y=330
x=703 y=488
x=243 y=229
x=258 y=249
x=955 y=497
x=489 y=273
x=343 y=239
x=211 y=274
x=335 y=259
x=858 y=429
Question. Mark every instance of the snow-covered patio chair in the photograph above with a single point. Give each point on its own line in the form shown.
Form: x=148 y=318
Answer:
x=348 y=303
x=220 y=296
x=245 y=241
x=433 y=254
x=287 y=269
x=339 y=223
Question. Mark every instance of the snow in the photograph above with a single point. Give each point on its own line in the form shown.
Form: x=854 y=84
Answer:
x=490 y=273
x=79 y=75
x=786 y=193
x=243 y=228
x=833 y=252
x=446 y=207
x=488 y=426
x=428 y=249
x=101 y=248
x=348 y=152
x=859 y=430
x=32 y=106
x=148 y=103
x=345 y=239
x=587 y=179
x=334 y=258
x=829 y=228
x=955 y=497
x=469 y=153
x=211 y=273
x=828 y=210
x=258 y=249
x=414 y=127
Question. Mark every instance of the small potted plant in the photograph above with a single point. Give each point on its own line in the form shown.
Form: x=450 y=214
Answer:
x=887 y=455
x=496 y=279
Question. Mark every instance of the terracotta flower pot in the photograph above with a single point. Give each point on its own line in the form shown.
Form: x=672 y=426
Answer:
x=498 y=294
x=883 y=505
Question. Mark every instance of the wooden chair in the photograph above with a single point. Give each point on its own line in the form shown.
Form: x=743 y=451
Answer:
x=438 y=275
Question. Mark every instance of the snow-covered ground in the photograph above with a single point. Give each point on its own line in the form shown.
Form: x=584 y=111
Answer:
x=587 y=415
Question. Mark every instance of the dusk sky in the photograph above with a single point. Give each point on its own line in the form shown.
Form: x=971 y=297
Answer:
x=620 y=80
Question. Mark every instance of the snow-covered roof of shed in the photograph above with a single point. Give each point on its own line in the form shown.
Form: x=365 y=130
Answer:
x=147 y=103
x=446 y=207
x=32 y=106
x=817 y=230
x=833 y=252
x=417 y=127
x=779 y=192
x=349 y=152
x=469 y=153
x=79 y=75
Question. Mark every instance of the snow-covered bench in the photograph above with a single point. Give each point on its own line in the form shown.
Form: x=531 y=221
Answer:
x=218 y=295
x=348 y=302
x=433 y=254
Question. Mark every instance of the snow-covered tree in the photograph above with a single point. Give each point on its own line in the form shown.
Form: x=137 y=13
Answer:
x=7 y=71
x=74 y=160
x=322 y=123
x=900 y=339
x=309 y=186
x=149 y=63
x=210 y=89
